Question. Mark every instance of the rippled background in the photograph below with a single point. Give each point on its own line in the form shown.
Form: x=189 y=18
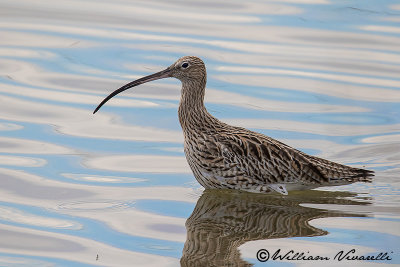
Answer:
x=114 y=189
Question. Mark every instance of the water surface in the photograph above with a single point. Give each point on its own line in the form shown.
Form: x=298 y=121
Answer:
x=114 y=189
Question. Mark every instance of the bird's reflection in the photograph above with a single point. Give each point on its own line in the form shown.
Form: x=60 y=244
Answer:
x=224 y=220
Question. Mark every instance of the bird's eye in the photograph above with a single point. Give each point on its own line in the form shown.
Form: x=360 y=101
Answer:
x=185 y=65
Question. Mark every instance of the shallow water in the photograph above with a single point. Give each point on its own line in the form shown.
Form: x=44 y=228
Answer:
x=114 y=189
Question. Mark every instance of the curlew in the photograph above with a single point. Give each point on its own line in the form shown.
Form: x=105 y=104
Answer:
x=230 y=157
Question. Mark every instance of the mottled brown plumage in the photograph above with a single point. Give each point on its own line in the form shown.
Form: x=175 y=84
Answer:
x=225 y=156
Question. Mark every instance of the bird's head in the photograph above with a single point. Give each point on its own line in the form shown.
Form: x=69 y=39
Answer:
x=188 y=69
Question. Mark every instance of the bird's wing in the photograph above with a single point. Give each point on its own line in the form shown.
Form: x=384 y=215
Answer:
x=265 y=160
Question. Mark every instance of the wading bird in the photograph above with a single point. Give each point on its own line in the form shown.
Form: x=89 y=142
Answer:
x=225 y=156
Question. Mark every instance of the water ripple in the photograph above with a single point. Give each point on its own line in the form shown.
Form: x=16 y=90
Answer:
x=114 y=189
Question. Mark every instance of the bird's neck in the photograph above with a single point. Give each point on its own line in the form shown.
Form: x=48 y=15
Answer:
x=192 y=112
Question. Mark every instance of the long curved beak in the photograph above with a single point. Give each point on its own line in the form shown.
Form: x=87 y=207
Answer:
x=159 y=75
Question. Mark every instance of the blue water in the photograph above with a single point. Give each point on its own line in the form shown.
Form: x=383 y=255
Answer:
x=114 y=189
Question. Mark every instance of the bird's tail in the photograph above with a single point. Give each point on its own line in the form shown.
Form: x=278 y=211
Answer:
x=336 y=172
